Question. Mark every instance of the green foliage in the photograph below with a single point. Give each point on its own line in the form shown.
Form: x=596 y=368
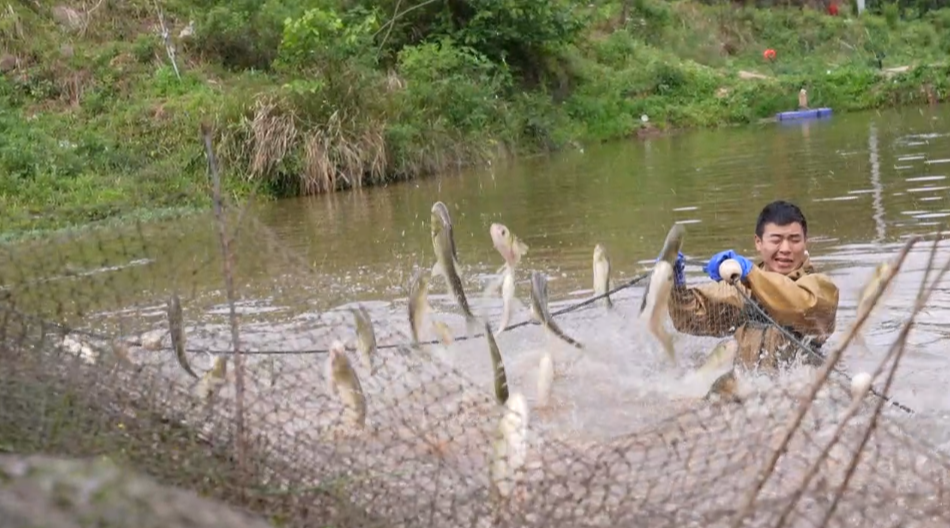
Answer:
x=324 y=53
x=520 y=28
x=316 y=95
x=320 y=37
x=891 y=14
x=514 y=31
x=244 y=34
x=454 y=83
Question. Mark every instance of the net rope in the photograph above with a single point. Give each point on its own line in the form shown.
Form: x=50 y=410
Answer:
x=427 y=450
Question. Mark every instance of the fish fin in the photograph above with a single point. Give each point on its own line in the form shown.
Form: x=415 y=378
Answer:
x=183 y=362
x=494 y=286
x=535 y=314
x=455 y=253
x=520 y=247
x=458 y=268
x=555 y=330
x=646 y=295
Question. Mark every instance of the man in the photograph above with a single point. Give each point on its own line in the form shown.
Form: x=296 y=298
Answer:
x=783 y=283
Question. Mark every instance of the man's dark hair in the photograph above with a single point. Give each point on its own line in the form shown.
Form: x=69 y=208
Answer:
x=780 y=213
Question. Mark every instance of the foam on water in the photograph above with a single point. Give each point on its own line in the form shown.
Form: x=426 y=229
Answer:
x=622 y=381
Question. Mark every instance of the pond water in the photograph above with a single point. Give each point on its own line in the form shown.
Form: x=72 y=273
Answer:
x=864 y=181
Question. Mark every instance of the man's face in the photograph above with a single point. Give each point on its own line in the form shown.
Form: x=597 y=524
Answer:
x=782 y=248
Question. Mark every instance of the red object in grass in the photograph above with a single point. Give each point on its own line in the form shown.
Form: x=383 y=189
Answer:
x=769 y=54
x=833 y=9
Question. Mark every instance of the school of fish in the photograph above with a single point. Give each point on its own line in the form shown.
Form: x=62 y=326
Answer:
x=508 y=448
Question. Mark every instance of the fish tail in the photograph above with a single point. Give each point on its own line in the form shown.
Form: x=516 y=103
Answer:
x=498 y=367
x=183 y=361
x=501 y=379
x=556 y=330
x=494 y=285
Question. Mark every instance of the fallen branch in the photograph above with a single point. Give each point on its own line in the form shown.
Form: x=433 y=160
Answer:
x=240 y=437
x=896 y=349
x=390 y=30
x=897 y=352
x=169 y=47
x=823 y=374
x=401 y=14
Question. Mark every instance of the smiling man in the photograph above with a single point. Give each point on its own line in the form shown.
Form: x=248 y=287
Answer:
x=783 y=283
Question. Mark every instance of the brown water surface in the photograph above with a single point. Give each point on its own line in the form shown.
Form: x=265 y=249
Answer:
x=865 y=182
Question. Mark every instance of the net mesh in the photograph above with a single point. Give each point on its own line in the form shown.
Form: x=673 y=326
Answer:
x=89 y=369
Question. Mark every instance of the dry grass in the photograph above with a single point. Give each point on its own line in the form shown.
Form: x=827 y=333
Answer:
x=394 y=83
x=274 y=134
x=341 y=153
x=296 y=145
x=331 y=159
x=73 y=85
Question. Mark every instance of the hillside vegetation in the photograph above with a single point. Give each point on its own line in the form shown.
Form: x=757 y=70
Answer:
x=309 y=96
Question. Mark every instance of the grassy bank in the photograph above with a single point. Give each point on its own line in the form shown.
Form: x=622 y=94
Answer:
x=310 y=96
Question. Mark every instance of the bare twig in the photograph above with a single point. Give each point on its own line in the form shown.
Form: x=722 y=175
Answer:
x=830 y=363
x=402 y=14
x=87 y=16
x=896 y=348
x=897 y=351
x=169 y=47
x=390 y=30
x=240 y=437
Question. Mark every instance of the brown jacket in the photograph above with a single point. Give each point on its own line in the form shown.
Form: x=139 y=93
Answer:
x=804 y=302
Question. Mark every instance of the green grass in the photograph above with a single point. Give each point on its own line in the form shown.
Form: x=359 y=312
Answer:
x=308 y=96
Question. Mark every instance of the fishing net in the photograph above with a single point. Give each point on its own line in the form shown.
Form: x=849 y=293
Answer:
x=89 y=369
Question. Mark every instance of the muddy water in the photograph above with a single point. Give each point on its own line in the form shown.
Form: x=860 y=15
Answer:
x=865 y=182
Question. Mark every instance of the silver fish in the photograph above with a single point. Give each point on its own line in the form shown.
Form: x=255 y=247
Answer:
x=655 y=305
x=343 y=381
x=447 y=259
x=602 y=275
x=498 y=367
x=365 y=338
x=176 y=328
x=419 y=306
x=539 y=307
x=656 y=298
x=509 y=246
x=673 y=244
x=507 y=296
x=214 y=378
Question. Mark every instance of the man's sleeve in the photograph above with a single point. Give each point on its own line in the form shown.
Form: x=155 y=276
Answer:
x=808 y=305
x=708 y=310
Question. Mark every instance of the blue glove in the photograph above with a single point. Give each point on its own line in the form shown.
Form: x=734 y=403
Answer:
x=712 y=269
x=679 y=269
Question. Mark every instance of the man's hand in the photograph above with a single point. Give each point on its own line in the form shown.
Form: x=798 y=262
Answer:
x=712 y=268
x=679 y=269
